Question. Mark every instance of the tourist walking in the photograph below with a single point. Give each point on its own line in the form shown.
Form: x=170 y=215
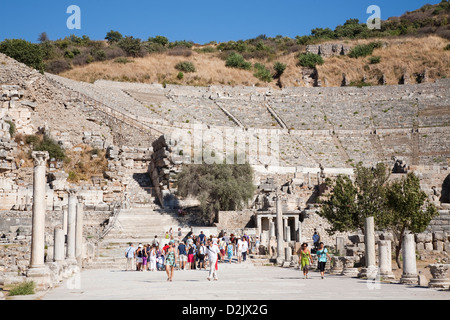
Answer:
x=182 y=254
x=139 y=255
x=239 y=249
x=152 y=259
x=322 y=255
x=244 y=249
x=201 y=256
x=316 y=239
x=230 y=252
x=305 y=259
x=130 y=255
x=213 y=252
x=170 y=260
x=191 y=255
x=180 y=235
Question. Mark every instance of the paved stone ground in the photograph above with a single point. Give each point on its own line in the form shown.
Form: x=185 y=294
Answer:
x=236 y=281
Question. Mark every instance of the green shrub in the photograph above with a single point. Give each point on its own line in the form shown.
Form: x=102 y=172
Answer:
x=279 y=69
x=185 y=66
x=25 y=288
x=374 y=60
x=53 y=148
x=113 y=36
x=309 y=60
x=161 y=40
x=24 y=52
x=447 y=47
x=132 y=46
x=262 y=73
x=364 y=50
x=235 y=60
x=180 y=75
x=32 y=139
x=12 y=127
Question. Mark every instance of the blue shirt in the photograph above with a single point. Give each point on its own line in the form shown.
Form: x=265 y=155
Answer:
x=322 y=255
x=182 y=249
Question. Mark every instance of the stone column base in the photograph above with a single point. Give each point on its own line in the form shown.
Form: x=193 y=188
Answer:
x=439 y=283
x=350 y=272
x=41 y=276
x=409 y=279
x=387 y=275
x=336 y=270
x=368 y=272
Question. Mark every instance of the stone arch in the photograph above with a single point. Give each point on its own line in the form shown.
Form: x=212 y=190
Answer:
x=445 y=193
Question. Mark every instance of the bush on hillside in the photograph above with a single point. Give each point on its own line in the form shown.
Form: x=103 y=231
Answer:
x=24 y=52
x=131 y=46
x=262 y=73
x=364 y=50
x=235 y=60
x=185 y=66
x=309 y=60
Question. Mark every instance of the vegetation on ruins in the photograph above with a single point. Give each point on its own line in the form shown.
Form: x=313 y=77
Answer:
x=364 y=50
x=309 y=60
x=398 y=206
x=25 y=52
x=409 y=210
x=25 y=288
x=350 y=202
x=221 y=187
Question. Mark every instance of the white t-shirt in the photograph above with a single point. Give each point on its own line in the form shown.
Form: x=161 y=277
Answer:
x=212 y=252
x=244 y=247
x=239 y=245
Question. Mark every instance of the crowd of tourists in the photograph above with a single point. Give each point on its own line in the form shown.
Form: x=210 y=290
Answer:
x=197 y=252
x=193 y=252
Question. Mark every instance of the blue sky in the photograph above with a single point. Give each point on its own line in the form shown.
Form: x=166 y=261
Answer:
x=200 y=21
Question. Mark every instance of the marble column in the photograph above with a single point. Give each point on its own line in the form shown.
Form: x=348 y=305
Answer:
x=258 y=226
x=385 y=259
x=409 y=275
x=370 y=270
x=38 y=271
x=271 y=228
x=64 y=221
x=58 y=246
x=440 y=276
x=297 y=229
x=71 y=225
x=79 y=230
x=39 y=206
x=287 y=232
x=280 y=242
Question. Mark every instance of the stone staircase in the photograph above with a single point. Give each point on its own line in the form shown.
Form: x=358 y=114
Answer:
x=137 y=224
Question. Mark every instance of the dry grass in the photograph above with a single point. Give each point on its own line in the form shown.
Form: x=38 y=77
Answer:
x=412 y=55
x=404 y=54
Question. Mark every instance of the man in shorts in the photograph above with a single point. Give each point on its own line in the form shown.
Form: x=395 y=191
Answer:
x=182 y=253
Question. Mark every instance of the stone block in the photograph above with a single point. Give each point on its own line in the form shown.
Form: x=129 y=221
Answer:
x=438 y=246
x=428 y=246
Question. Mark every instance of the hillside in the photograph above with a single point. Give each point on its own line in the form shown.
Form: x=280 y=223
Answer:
x=399 y=55
x=415 y=44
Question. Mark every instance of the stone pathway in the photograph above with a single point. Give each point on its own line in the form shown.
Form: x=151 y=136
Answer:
x=236 y=281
